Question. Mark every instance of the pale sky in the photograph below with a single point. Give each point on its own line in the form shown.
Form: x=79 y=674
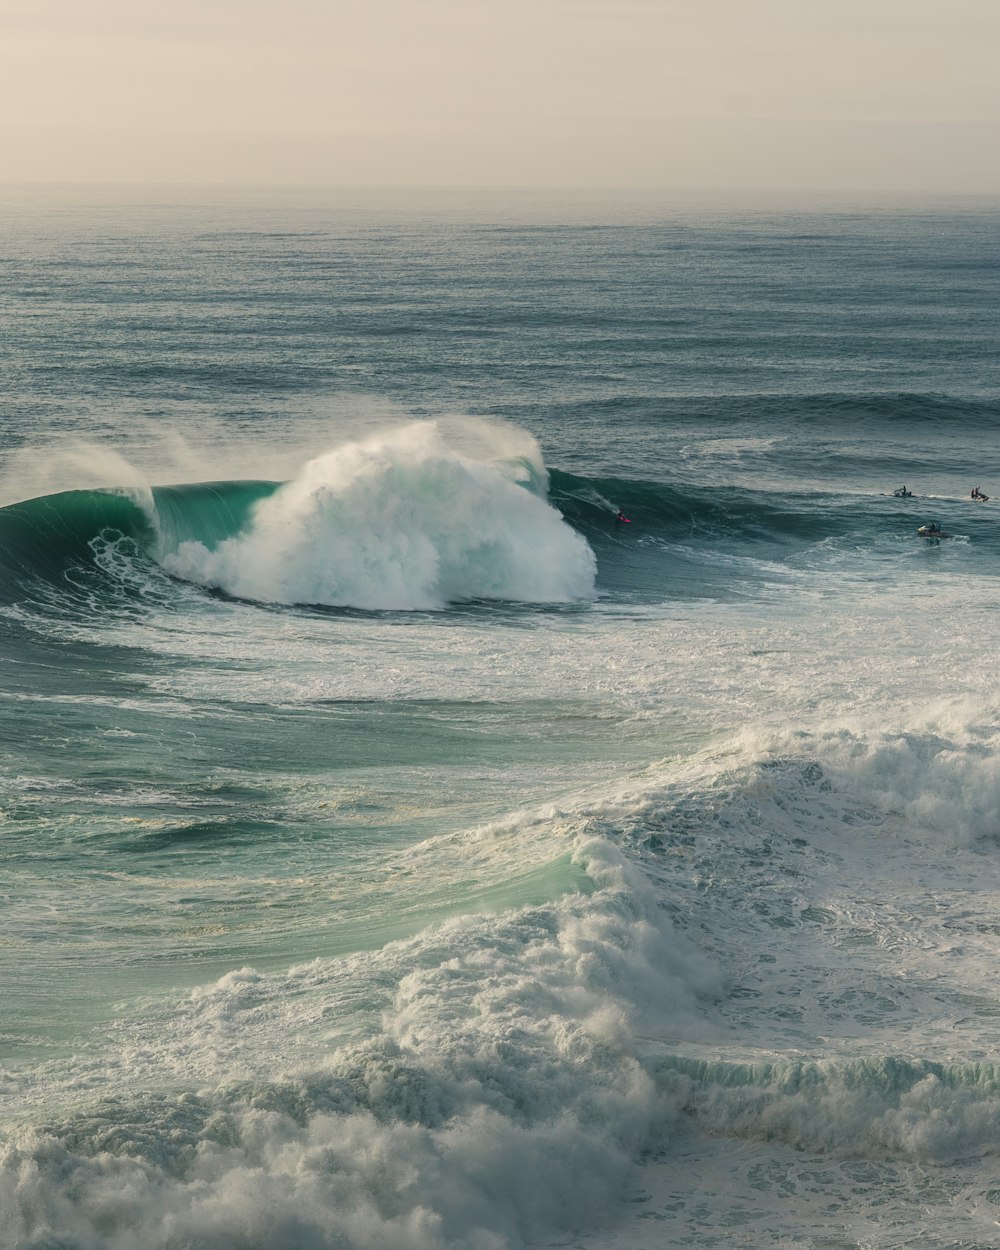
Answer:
x=897 y=95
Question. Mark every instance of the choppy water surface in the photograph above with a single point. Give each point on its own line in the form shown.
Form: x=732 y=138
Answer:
x=399 y=850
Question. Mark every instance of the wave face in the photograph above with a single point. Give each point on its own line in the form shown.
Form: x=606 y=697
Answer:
x=400 y=851
x=42 y=537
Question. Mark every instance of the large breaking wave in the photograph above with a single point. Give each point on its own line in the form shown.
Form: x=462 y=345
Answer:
x=401 y=520
x=413 y=518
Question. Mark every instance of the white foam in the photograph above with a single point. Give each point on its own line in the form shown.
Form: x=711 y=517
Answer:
x=501 y=1094
x=938 y=772
x=401 y=520
x=501 y=1101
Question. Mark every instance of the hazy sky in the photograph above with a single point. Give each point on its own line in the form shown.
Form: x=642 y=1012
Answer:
x=841 y=94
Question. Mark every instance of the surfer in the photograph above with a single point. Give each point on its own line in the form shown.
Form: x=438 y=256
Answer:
x=622 y=517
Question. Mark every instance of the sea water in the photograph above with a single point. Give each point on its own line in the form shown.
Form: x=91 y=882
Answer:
x=399 y=850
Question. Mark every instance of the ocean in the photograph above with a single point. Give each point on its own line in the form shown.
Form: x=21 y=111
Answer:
x=401 y=851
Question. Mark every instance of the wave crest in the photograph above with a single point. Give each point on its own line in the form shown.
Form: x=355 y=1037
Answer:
x=400 y=520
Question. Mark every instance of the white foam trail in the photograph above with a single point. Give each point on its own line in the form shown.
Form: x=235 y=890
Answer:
x=402 y=520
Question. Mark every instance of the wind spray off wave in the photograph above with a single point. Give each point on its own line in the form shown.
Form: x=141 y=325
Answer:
x=402 y=520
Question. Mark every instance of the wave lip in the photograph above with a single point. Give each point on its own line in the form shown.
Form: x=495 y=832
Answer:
x=400 y=521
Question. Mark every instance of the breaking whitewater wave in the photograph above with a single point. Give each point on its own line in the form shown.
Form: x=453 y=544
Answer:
x=420 y=516
x=399 y=521
x=501 y=1101
x=941 y=775
x=929 y=1112
x=501 y=1074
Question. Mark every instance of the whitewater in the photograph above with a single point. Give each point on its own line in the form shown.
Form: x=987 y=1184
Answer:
x=399 y=850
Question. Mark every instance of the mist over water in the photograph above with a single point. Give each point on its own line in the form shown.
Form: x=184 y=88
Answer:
x=402 y=851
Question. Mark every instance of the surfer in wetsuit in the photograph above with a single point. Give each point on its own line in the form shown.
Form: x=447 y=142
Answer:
x=622 y=517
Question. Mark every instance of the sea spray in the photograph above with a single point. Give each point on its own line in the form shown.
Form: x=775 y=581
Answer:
x=400 y=520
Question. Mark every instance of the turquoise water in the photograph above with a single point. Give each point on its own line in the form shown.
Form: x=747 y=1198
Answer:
x=400 y=851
